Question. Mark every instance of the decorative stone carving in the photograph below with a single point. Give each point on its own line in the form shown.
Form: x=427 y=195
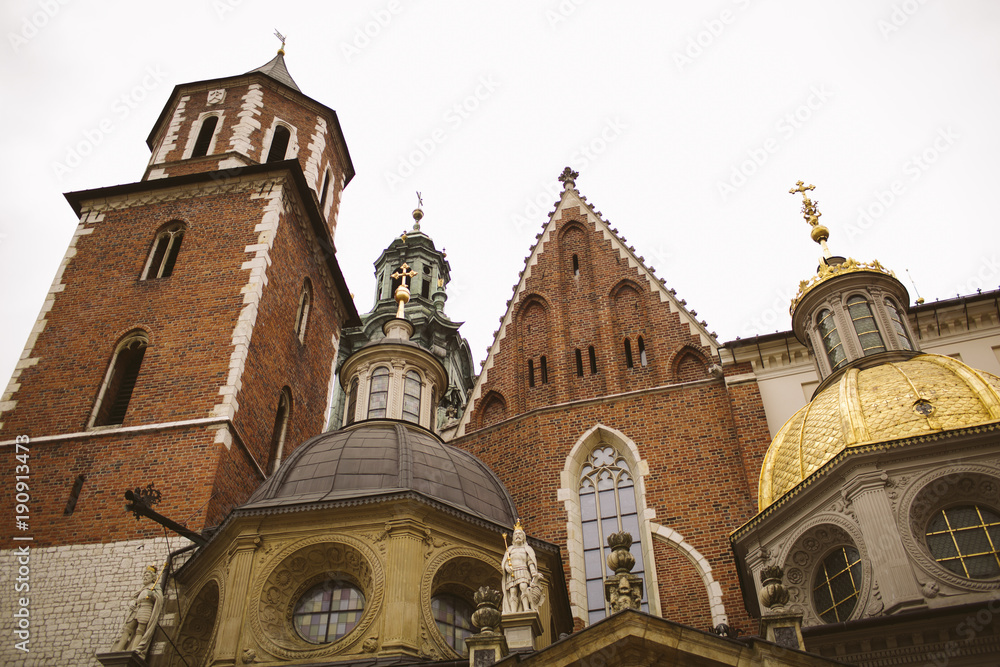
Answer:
x=249 y=656
x=624 y=589
x=521 y=578
x=143 y=613
x=216 y=96
x=487 y=614
x=772 y=594
x=370 y=645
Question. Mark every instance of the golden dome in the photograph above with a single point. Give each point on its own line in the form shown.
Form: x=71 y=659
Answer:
x=925 y=394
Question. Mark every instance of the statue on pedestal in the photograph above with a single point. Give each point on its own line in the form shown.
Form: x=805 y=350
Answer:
x=143 y=613
x=521 y=590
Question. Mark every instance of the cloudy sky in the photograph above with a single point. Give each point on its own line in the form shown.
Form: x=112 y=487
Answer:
x=688 y=123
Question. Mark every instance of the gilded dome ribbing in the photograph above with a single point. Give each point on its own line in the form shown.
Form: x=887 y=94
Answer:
x=925 y=394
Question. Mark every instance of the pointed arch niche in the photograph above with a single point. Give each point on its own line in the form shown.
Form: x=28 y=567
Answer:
x=579 y=465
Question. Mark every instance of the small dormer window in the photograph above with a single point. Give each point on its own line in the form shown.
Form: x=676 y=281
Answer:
x=897 y=324
x=205 y=134
x=865 y=326
x=831 y=339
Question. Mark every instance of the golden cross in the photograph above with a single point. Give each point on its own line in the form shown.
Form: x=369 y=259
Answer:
x=801 y=187
x=403 y=273
x=809 y=210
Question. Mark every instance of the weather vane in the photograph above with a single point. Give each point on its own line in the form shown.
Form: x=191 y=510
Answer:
x=420 y=200
x=819 y=233
x=281 y=37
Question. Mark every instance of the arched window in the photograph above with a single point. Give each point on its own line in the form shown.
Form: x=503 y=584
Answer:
x=628 y=354
x=642 y=352
x=119 y=382
x=593 y=359
x=205 y=135
x=328 y=611
x=163 y=254
x=352 y=402
x=411 y=397
x=425 y=285
x=323 y=191
x=545 y=370
x=378 y=394
x=865 y=326
x=897 y=324
x=279 y=144
x=579 y=362
x=838 y=584
x=302 y=316
x=531 y=372
x=966 y=540
x=831 y=339
x=607 y=506
x=280 y=428
x=453 y=616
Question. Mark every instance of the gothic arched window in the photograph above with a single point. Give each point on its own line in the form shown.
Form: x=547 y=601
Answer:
x=411 y=397
x=607 y=506
x=163 y=254
x=378 y=393
x=279 y=144
x=116 y=393
x=205 y=135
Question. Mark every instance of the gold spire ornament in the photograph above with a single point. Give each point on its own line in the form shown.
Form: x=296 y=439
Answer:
x=277 y=34
x=403 y=291
x=418 y=213
x=811 y=213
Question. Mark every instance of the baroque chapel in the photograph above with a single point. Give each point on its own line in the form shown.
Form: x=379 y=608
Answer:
x=316 y=486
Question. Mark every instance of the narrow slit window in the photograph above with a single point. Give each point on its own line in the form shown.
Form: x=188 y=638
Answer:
x=352 y=403
x=531 y=372
x=205 y=135
x=280 y=428
x=831 y=339
x=628 y=354
x=163 y=254
x=593 y=360
x=279 y=144
x=323 y=191
x=74 y=494
x=120 y=381
x=642 y=351
x=302 y=316
x=545 y=371
x=579 y=363
x=378 y=395
x=576 y=266
x=411 y=397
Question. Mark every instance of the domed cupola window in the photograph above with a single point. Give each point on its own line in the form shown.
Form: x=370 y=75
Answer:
x=897 y=324
x=966 y=540
x=838 y=584
x=411 y=397
x=831 y=339
x=378 y=395
x=865 y=325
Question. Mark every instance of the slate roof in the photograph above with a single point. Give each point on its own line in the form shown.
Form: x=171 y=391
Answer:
x=382 y=457
x=276 y=70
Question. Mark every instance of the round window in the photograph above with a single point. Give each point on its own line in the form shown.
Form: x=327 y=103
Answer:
x=454 y=619
x=966 y=540
x=328 y=611
x=838 y=584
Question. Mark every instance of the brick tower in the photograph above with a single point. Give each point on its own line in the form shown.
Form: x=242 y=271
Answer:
x=189 y=334
x=601 y=408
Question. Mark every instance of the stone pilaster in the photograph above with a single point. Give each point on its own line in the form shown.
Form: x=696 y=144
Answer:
x=233 y=608
x=405 y=561
x=890 y=564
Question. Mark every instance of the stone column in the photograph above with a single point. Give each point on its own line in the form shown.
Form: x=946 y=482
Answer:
x=890 y=564
x=405 y=564
x=234 y=605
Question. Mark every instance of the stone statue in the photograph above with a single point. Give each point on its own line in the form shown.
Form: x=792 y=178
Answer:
x=143 y=613
x=521 y=591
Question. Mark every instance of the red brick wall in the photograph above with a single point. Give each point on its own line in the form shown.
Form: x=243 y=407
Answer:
x=682 y=590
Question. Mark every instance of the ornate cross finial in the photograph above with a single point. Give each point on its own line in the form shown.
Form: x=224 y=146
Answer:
x=811 y=214
x=568 y=178
x=403 y=291
x=282 y=38
x=403 y=273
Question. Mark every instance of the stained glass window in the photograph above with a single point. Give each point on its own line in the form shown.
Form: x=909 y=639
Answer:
x=965 y=540
x=607 y=505
x=328 y=611
x=411 y=397
x=378 y=394
x=838 y=584
x=454 y=620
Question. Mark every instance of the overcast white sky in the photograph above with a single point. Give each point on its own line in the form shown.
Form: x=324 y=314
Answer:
x=688 y=123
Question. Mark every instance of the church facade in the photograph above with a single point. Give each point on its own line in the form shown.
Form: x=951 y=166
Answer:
x=604 y=406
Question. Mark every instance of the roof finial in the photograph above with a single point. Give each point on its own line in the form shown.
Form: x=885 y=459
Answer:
x=418 y=213
x=403 y=291
x=568 y=177
x=277 y=34
x=819 y=233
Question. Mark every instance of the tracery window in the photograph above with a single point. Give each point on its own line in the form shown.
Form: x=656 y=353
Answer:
x=831 y=339
x=897 y=324
x=966 y=540
x=864 y=324
x=607 y=506
x=411 y=397
x=328 y=611
x=838 y=584
x=378 y=394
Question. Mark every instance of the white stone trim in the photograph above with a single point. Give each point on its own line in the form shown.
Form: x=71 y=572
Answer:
x=96 y=432
x=568 y=493
x=252 y=292
x=253 y=101
x=169 y=142
x=7 y=401
x=291 y=150
x=331 y=384
x=676 y=540
x=316 y=146
x=196 y=130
